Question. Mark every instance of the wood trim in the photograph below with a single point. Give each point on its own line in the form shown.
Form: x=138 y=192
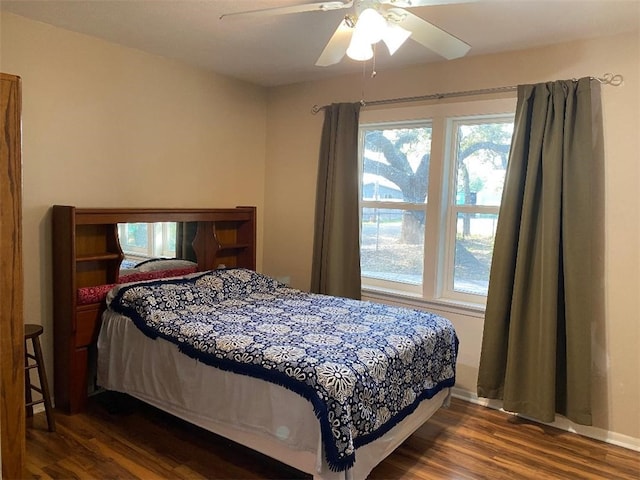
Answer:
x=150 y=215
x=12 y=406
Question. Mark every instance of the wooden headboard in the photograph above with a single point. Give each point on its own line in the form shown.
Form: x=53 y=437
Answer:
x=87 y=253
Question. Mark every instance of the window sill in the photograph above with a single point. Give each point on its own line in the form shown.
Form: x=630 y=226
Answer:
x=409 y=300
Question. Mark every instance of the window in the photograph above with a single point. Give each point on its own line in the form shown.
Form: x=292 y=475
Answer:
x=395 y=170
x=431 y=185
x=148 y=240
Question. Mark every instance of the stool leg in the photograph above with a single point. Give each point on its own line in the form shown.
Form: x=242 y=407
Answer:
x=44 y=385
x=27 y=384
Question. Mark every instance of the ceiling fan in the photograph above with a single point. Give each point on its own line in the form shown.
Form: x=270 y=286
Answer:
x=372 y=21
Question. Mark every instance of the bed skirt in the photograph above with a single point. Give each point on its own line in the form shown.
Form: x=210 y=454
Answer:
x=260 y=415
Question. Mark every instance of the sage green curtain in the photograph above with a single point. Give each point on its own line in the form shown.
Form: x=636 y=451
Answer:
x=336 y=246
x=545 y=284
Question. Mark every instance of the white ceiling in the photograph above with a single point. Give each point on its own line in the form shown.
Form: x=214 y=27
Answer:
x=283 y=49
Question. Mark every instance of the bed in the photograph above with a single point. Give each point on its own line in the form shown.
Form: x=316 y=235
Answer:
x=327 y=385
x=306 y=379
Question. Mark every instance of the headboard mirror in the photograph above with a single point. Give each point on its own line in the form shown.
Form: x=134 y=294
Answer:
x=141 y=242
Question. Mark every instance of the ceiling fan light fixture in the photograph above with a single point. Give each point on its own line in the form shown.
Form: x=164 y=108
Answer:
x=371 y=25
x=359 y=48
x=328 y=6
x=394 y=36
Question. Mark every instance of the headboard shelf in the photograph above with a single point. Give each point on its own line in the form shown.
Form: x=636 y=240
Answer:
x=98 y=256
x=87 y=253
x=233 y=246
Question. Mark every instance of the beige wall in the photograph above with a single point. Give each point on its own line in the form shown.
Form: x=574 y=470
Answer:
x=292 y=149
x=108 y=126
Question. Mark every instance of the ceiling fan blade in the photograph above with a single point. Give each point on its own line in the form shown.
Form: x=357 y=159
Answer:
x=307 y=7
x=422 y=3
x=430 y=36
x=337 y=45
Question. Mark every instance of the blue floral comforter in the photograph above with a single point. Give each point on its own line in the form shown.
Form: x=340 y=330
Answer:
x=363 y=366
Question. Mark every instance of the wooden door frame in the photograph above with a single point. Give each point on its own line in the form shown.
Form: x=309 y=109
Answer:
x=12 y=406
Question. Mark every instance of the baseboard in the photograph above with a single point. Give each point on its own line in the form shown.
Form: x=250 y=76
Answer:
x=562 y=423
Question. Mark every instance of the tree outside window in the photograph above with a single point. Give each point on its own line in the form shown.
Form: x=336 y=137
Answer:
x=481 y=152
x=394 y=193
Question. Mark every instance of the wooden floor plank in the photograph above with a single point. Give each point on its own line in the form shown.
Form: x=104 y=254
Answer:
x=463 y=442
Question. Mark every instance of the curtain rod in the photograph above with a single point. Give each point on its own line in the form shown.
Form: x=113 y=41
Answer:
x=606 y=79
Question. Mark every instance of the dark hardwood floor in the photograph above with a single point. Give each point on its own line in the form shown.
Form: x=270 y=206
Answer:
x=465 y=441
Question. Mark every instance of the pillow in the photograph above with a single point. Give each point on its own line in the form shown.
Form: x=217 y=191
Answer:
x=96 y=294
x=236 y=282
x=156 y=264
x=88 y=295
x=211 y=286
x=138 y=276
x=127 y=264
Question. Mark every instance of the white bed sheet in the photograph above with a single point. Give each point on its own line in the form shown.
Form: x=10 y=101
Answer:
x=261 y=415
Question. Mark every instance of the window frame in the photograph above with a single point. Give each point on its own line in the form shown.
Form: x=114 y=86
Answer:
x=158 y=236
x=407 y=288
x=134 y=250
x=439 y=250
x=446 y=288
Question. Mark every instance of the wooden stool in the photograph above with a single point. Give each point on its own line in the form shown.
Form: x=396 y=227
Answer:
x=33 y=332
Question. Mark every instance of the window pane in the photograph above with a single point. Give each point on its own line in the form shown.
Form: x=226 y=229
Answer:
x=474 y=249
x=170 y=238
x=396 y=164
x=164 y=234
x=136 y=236
x=392 y=245
x=482 y=153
